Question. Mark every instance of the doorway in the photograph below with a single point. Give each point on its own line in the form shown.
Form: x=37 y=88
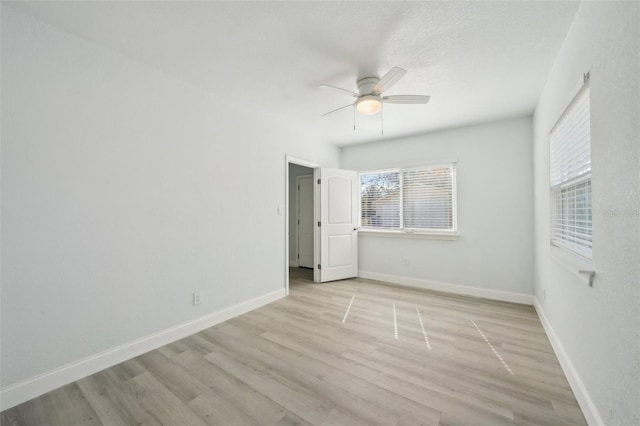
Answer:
x=300 y=216
x=301 y=242
x=329 y=201
x=303 y=221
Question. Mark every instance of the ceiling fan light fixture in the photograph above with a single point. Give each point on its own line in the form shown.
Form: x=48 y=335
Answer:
x=368 y=105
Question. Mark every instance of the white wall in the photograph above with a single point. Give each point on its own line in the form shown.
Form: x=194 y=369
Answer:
x=295 y=170
x=124 y=190
x=494 y=181
x=599 y=327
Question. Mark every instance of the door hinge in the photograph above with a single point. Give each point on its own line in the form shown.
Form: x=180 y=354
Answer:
x=319 y=181
x=298 y=255
x=298 y=187
x=319 y=266
x=319 y=223
x=298 y=221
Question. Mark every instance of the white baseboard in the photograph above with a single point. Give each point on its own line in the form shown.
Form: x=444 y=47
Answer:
x=504 y=296
x=27 y=389
x=582 y=396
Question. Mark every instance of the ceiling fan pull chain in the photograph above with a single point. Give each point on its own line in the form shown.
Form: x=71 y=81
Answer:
x=381 y=119
x=354 y=117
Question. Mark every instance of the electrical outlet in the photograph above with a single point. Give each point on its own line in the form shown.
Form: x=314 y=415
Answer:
x=405 y=261
x=196 y=299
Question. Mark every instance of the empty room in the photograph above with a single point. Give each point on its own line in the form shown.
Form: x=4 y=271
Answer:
x=320 y=213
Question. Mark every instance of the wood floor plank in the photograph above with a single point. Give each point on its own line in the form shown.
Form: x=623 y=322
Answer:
x=158 y=402
x=290 y=367
x=442 y=393
x=101 y=392
x=338 y=417
x=259 y=408
x=340 y=372
x=296 y=362
x=291 y=419
x=67 y=406
x=285 y=392
x=216 y=411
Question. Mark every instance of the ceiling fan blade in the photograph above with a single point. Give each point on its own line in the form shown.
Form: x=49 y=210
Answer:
x=336 y=110
x=389 y=79
x=406 y=99
x=344 y=91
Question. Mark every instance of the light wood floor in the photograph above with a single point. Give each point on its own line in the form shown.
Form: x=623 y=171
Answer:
x=304 y=360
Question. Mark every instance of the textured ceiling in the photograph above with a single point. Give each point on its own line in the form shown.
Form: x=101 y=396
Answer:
x=479 y=61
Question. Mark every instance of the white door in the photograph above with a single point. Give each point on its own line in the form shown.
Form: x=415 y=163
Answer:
x=338 y=224
x=305 y=221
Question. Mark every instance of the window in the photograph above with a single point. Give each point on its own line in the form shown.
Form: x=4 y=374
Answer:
x=418 y=199
x=570 y=177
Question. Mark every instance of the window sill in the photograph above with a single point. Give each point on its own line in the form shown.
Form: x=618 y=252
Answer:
x=571 y=262
x=447 y=236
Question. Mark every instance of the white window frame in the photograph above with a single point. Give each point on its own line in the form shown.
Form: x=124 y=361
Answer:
x=570 y=181
x=440 y=234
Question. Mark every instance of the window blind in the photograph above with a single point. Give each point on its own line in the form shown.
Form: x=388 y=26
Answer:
x=570 y=177
x=412 y=199
x=380 y=199
x=428 y=198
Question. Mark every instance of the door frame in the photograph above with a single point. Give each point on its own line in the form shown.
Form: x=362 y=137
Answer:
x=289 y=159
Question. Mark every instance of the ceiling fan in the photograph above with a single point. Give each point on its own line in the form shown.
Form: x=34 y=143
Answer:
x=369 y=98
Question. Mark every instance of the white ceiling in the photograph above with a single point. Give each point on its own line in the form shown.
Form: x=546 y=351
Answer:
x=479 y=61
